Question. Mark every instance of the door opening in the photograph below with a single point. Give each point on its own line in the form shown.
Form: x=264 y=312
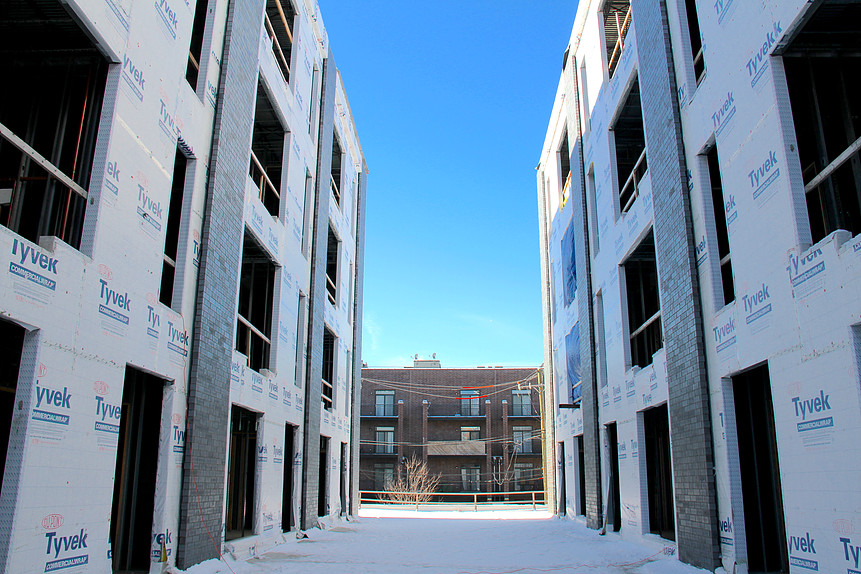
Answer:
x=135 y=473
x=614 y=510
x=659 y=473
x=563 y=495
x=241 y=473
x=322 y=494
x=287 y=496
x=11 y=345
x=343 y=479
x=760 y=474
x=581 y=476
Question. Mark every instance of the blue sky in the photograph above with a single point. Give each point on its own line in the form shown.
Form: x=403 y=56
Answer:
x=451 y=100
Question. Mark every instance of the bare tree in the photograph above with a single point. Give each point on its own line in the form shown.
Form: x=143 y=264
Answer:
x=418 y=484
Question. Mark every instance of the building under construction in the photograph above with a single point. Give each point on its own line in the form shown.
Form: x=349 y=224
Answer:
x=699 y=190
x=181 y=199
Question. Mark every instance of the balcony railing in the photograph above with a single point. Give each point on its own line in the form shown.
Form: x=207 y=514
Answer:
x=331 y=290
x=252 y=333
x=456 y=447
x=327 y=394
x=336 y=193
x=283 y=61
x=631 y=190
x=267 y=189
x=621 y=30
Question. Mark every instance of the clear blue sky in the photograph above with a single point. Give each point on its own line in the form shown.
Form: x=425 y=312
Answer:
x=451 y=100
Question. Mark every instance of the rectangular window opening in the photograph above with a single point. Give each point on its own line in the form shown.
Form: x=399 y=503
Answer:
x=278 y=20
x=267 y=152
x=564 y=155
x=470 y=433
x=174 y=217
x=287 y=506
x=333 y=252
x=630 y=143
x=524 y=474
x=50 y=121
x=644 y=306
x=470 y=477
x=522 y=438
x=696 y=40
x=822 y=72
x=323 y=485
x=195 y=48
x=521 y=403
x=614 y=510
x=469 y=406
x=600 y=341
x=718 y=202
x=581 y=476
x=335 y=179
x=328 y=391
x=385 y=443
x=384 y=475
x=301 y=340
x=385 y=403
x=617 y=21
x=254 y=312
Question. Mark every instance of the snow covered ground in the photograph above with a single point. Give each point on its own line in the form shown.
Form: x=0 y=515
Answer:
x=385 y=541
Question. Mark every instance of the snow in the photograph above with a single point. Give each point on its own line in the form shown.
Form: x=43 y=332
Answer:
x=384 y=541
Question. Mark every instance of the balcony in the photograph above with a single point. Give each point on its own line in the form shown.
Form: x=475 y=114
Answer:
x=456 y=448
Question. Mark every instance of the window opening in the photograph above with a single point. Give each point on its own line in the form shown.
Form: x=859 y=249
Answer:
x=254 y=312
x=564 y=168
x=614 y=511
x=135 y=472
x=385 y=403
x=659 y=472
x=49 y=123
x=323 y=491
x=696 y=40
x=471 y=478
x=822 y=66
x=522 y=437
x=469 y=406
x=307 y=212
x=278 y=19
x=470 y=433
x=521 y=403
x=384 y=475
x=644 y=306
x=328 y=391
x=174 y=216
x=630 y=143
x=11 y=347
x=335 y=179
x=562 y=505
x=287 y=506
x=523 y=475
x=195 y=48
x=241 y=473
x=762 y=496
x=581 y=476
x=721 y=226
x=385 y=442
x=617 y=21
x=267 y=152
x=301 y=340
x=333 y=251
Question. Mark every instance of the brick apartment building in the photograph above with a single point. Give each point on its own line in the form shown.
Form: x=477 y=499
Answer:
x=478 y=428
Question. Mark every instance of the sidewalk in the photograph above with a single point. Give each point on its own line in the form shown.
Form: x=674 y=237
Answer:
x=384 y=541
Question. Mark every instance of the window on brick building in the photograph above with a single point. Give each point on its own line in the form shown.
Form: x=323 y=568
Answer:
x=385 y=403
x=522 y=438
x=617 y=20
x=470 y=433
x=521 y=403
x=254 y=311
x=470 y=477
x=195 y=47
x=267 y=152
x=629 y=137
x=696 y=39
x=328 y=387
x=385 y=440
x=384 y=475
x=49 y=121
x=720 y=219
x=278 y=20
x=564 y=157
x=644 y=306
x=822 y=66
x=469 y=405
x=523 y=475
